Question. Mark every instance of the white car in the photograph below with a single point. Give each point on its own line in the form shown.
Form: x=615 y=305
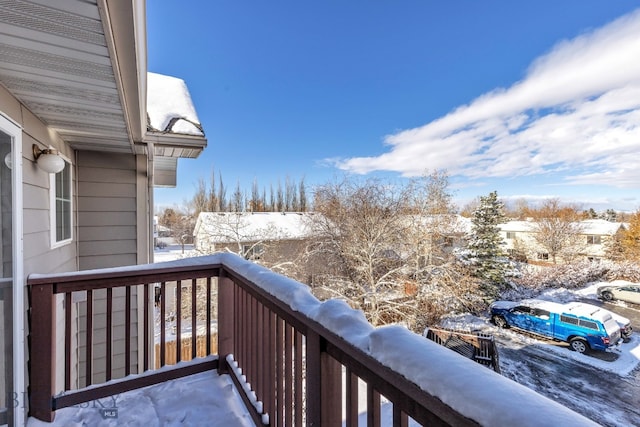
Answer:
x=629 y=293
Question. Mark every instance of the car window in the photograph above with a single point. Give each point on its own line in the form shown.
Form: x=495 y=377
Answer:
x=522 y=309
x=543 y=314
x=569 y=319
x=589 y=324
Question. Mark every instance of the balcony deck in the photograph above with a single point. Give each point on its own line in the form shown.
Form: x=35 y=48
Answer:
x=203 y=399
x=292 y=359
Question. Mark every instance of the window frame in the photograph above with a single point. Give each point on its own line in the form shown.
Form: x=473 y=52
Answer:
x=53 y=211
x=594 y=239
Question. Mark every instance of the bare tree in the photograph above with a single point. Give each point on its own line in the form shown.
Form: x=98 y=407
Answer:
x=558 y=230
x=433 y=220
x=361 y=242
x=180 y=225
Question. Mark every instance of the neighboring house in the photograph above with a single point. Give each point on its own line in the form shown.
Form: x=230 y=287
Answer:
x=73 y=77
x=266 y=236
x=520 y=242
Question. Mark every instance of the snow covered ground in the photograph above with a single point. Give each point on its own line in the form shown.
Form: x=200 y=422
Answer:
x=604 y=387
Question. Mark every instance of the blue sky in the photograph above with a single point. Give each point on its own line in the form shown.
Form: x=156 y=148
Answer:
x=533 y=100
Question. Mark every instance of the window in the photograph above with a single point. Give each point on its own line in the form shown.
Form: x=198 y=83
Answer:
x=570 y=320
x=543 y=314
x=593 y=240
x=253 y=252
x=589 y=324
x=61 y=210
x=544 y=256
x=511 y=235
x=522 y=309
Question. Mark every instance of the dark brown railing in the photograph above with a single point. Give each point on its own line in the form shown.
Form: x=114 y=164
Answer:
x=290 y=368
x=478 y=346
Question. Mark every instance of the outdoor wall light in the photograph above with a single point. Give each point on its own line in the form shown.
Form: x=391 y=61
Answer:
x=8 y=160
x=48 y=159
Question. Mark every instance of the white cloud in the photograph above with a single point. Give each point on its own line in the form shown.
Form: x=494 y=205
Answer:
x=576 y=112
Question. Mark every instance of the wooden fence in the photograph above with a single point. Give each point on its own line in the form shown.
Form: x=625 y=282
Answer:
x=478 y=347
x=185 y=349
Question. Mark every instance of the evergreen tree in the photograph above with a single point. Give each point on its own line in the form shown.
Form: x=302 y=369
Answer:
x=485 y=244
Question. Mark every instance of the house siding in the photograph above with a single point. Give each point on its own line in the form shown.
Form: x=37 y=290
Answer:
x=38 y=255
x=108 y=228
x=106 y=224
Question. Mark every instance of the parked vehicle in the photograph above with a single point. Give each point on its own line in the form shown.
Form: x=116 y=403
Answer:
x=583 y=326
x=628 y=293
x=625 y=324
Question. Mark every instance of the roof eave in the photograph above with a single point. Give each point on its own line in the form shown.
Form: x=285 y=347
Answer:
x=125 y=31
x=176 y=145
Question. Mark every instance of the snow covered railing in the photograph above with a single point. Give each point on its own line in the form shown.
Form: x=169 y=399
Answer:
x=107 y=321
x=298 y=361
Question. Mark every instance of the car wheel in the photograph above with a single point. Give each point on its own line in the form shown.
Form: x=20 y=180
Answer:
x=578 y=345
x=500 y=322
x=607 y=296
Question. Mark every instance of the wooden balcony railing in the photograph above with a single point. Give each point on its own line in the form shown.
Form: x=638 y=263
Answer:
x=294 y=360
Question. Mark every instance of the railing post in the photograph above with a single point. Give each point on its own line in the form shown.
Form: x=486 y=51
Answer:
x=314 y=383
x=331 y=386
x=42 y=352
x=324 y=384
x=226 y=309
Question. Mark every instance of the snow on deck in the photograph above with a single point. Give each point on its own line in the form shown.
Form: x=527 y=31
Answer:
x=204 y=399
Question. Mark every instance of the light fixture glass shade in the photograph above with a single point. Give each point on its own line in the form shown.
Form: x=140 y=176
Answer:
x=8 y=160
x=51 y=163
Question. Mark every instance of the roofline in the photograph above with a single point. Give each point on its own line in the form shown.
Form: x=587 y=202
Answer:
x=125 y=32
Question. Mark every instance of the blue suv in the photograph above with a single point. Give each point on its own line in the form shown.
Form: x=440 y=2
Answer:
x=583 y=326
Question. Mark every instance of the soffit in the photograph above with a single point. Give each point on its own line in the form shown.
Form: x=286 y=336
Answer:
x=54 y=57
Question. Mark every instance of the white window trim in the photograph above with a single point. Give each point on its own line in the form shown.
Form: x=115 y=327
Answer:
x=52 y=204
x=19 y=369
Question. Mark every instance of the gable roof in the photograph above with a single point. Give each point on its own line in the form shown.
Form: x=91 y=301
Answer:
x=225 y=227
x=591 y=226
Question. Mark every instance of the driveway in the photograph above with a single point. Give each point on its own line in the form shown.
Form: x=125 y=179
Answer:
x=597 y=385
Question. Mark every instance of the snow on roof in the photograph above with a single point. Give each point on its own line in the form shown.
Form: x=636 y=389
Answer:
x=600 y=226
x=223 y=227
x=169 y=106
x=590 y=226
x=588 y=310
x=526 y=226
x=447 y=223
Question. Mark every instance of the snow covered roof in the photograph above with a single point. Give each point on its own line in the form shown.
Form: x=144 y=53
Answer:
x=591 y=226
x=526 y=226
x=169 y=106
x=448 y=223
x=173 y=128
x=222 y=227
x=600 y=226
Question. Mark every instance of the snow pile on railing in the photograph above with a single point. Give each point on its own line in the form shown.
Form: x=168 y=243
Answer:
x=474 y=391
